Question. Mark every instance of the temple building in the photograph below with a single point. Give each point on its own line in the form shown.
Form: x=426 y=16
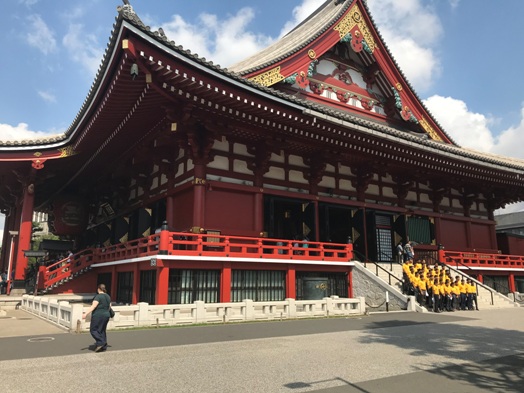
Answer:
x=179 y=180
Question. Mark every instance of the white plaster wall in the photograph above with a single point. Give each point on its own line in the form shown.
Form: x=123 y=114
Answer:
x=221 y=145
x=327 y=182
x=388 y=192
x=297 y=161
x=220 y=162
x=425 y=198
x=373 y=189
x=241 y=149
x=298 y=177
x=275 y=173
x=279 y=158
x=345 y=185
x=456 y=203
x=240 y=166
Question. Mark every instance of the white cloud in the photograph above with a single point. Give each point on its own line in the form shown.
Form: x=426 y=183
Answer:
x=20 y=132
x=411 y=32
x=40 y=35
x=466 y=128
x=472 y=130
x=83 y=48
x=301 y=12
x=223 y=41
x=46 y=96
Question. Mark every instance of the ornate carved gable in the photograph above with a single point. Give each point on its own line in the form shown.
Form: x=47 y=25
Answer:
x=337 y=58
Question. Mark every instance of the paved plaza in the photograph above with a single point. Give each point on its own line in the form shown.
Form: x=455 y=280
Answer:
x=388 y=352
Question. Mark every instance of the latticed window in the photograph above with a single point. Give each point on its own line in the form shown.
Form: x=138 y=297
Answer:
x=147 y=286
x=258 y=285
x=384 y=238
x=124 y=293
x=188 y=286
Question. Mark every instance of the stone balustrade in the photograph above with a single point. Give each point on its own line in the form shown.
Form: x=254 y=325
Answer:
x=63 y=312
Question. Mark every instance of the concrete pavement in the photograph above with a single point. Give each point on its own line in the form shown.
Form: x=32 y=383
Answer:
x=391 y=352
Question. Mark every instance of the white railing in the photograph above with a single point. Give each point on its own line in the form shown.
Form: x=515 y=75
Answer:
x=69 y=315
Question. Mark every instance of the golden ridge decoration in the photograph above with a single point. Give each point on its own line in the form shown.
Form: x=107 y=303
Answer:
x=37 y=154
x=66 y=151
x=311 y=53
x=354 y=18
x=398 y=86
x=431 y=132
x=268 y=78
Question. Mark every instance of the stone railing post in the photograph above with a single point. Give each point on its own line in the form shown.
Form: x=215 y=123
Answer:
x=143 y=313
x=249 y=310
x=362 y=307
x=291 y=308
x=76 y=315
x=200 y=311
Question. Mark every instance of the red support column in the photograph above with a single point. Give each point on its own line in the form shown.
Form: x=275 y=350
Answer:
x=24 y=235
x=225 y=283
x=511 y=282
x=162 y=284
x=136 y=283
x=291 y=290
x=480 y=278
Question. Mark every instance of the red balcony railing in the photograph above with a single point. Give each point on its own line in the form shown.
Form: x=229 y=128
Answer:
x=481 y=260
x=191 y=244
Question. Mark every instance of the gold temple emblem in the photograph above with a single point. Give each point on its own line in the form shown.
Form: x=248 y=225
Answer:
x=354 y=18
x=37 y=154
x=311 y=53
x=268 y=78
x=398 y=86
x=66 y=151
x=431 y=132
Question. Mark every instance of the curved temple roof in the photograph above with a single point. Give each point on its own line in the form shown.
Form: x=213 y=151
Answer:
x=324 y=17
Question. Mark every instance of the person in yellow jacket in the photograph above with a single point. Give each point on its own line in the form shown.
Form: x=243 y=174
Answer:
x=455 y=293
x=436 y=296
x=471 y=290
x=463 y=294
x=422 y=287
x=447 y=296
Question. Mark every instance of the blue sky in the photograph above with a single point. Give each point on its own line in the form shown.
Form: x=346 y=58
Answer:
x=463 y=57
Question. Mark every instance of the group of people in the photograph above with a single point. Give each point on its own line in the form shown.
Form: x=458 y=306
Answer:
x=435 y=289
x=405 y=252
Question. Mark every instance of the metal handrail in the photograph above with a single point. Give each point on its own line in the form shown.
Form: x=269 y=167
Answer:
x=377 y=267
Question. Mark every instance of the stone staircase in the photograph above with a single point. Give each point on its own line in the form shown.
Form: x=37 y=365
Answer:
x=486 y=296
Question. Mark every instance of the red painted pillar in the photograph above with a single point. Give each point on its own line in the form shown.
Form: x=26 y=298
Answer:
x=291 y=290
x=480 y=278
x=511 y=282
x=162 y=284
x=136 y=283
x=225 y=283
x=24 y=235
